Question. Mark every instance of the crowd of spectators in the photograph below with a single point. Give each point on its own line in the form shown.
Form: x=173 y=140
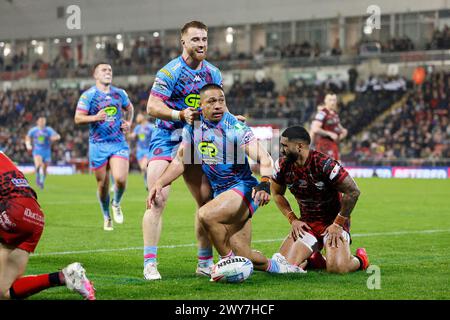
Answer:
x=418 y=128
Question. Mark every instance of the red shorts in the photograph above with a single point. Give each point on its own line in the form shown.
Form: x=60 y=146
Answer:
x=319 y=227
x=328 y=147
x=21 y=223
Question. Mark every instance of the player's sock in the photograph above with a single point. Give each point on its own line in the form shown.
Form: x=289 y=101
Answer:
x=361 y=263
x=150 y=254
x=272 y=266
x=29 y=285
x=205 y=257
x=104 y=205
x=118 y=193
x=229 y=255
x=43 y=176
x=38 y=177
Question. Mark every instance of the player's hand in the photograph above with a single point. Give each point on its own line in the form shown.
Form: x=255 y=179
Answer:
x=189 y=115
x=241 y=118
x=261 y=197
x=343 y=134
x=125 y=126
x=299 y=228
x=334 y=232
x=101 y=115
x=333 y=136
x=154 y=195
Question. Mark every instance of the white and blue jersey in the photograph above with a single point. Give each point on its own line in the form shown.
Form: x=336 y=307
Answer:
x=40 y=139
x=178 y=86
x=106 y=138
x=143 y=135
x=220 y=149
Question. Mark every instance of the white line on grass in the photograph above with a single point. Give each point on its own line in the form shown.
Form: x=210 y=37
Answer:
x=355 y=235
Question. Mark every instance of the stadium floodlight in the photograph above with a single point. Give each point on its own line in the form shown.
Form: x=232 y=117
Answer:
x=118 y=36
x=33 y=42
x=69 y=40
x=56 y=41
x=155 y=34
x=367 y=29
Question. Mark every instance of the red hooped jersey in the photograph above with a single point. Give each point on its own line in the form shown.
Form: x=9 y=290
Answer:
x=13 y=183
x=313 y=185
x=330 y=122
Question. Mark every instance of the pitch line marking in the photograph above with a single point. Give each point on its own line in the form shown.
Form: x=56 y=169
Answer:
x=355 y=235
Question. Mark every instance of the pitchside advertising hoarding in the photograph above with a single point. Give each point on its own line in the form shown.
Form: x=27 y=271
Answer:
x=400 y=172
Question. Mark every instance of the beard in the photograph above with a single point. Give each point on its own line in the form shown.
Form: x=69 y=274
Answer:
x=290 y=157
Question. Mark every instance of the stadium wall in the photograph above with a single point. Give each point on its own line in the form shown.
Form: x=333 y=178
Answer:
x=23 y=19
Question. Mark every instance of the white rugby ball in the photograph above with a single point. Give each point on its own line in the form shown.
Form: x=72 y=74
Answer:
x=232 y=270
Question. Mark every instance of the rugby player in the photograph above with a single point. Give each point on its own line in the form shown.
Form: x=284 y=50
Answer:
x=142 y=133
x=39 y=139
x=102 y=107
x=21 y=226
x=317 y=182
x=237 y=193
x=326 y=128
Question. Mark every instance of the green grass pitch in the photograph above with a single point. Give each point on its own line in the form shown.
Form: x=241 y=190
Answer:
x=403 y=224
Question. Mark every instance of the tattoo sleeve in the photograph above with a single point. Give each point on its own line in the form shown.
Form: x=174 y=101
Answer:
x=350 y=195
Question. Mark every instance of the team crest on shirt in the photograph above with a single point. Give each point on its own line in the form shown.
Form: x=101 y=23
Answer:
x=157 y=151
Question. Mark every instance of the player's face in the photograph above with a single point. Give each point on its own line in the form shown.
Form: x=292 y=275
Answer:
x=213 y=104
x=139 y=118
x=41 y=122
x=288 y=150
x=103 y=74
x=195 y=42
x=331 y=101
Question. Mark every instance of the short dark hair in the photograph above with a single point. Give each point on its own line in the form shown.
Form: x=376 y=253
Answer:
x=210 y=86
x=193 y=24
x=99 y=63
x=297 y=133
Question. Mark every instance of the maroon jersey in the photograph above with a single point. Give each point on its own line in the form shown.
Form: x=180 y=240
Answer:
x=13 y=183
x=313 y=185
x=330 y=122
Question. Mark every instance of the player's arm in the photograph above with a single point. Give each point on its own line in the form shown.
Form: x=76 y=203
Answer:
x=172 y=172
x=316 y=129
x=128 y=118
x=344 y=132
x=82 y=117
x=256 y=152
x=350 y=194
x=278 y=194
x=55 y=137
x=157 y=108
x=28 y=144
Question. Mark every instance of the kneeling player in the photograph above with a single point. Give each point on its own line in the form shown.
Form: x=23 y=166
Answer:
x=237 y=194
x=316 y=180
x=21 y=226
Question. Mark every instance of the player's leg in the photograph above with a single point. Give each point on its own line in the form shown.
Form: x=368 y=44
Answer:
x=119 y=170
x=152 y=220
x=12 y=265
x=143 y=166
x=102 y=177
x=44 y=171
x=217 y=216
x=38 y=162
x=339 y=259
x=200 y=189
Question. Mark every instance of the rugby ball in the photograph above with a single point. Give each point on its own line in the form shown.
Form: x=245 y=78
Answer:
x=232 y=270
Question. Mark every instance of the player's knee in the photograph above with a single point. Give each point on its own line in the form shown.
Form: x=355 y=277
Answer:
x=205 y=217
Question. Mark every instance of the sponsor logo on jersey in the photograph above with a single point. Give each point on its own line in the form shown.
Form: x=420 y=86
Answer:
x=320 y=185
x=41 y=139
x=207 y=148
x=141 y=136
x=197 y=78
x=167 y=73
x=110 y=111
x=5 y=222
x=192 y=100
x=32 y=217
x=20 y=182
